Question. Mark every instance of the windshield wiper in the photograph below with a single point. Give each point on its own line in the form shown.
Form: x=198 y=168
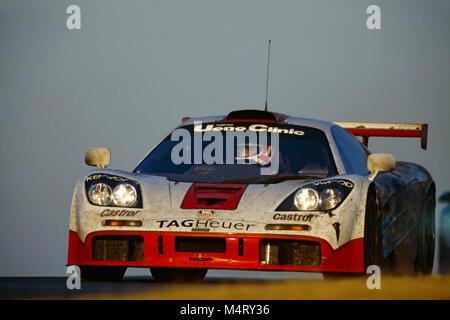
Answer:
x=242 y=180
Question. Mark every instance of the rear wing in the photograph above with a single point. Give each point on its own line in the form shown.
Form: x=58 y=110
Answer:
x=372 y=129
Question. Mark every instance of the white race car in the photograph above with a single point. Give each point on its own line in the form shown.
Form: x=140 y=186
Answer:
x=254 y=190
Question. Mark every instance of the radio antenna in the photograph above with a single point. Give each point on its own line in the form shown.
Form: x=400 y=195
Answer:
x=267 y=79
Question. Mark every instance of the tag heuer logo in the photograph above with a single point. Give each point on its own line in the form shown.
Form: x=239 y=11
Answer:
x=205 y=213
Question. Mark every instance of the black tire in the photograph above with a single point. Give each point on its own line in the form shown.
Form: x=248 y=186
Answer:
x=178 y=274
x=100 y=273
x=373 y=245
x=373 y=242
x=426 y=237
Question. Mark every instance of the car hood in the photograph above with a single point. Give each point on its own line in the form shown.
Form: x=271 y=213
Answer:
x=164 y=208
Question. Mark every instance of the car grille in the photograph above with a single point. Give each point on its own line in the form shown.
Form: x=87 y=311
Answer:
x=118 y=248
x=200 y=244
x=290 y=252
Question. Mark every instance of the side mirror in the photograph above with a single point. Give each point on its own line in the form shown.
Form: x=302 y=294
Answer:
x=380 y=162
x=98 y=157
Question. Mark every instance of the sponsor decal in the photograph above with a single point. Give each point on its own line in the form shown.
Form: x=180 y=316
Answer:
x=205 y=224
x=200 y=229
x=259 y=127
x=344 y=183
x=106 y=176
x=205 y=213
x=294 y=217
x=118 y=213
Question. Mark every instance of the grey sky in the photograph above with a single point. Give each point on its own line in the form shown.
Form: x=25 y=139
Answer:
x=137 y=67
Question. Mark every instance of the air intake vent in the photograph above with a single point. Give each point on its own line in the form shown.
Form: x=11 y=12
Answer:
x=256 y=115
x=213 y=196
x=290 y=252
x=118 y=248
x=251 y=114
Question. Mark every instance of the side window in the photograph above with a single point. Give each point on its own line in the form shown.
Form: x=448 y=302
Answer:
x=353 y=153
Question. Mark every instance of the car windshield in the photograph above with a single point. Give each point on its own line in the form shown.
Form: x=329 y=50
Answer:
x=240 y=152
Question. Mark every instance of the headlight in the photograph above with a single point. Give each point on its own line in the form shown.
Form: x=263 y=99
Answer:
x=330 y=198
x=124 y=195
x=318 y=196
x=100 y=194
x=113 y=191
x=306 y=199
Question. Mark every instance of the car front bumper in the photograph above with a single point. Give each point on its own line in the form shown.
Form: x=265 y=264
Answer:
x=214 y=251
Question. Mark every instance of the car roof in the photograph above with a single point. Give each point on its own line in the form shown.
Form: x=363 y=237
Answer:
x=261 y=116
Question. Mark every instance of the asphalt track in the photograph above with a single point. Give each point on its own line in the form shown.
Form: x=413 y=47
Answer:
x=220 y=286
x=56 y=287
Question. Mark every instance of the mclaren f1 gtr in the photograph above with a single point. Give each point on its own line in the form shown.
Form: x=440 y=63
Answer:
x=256 y=190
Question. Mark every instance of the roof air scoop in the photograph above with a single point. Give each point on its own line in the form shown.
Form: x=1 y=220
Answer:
x=251 y=114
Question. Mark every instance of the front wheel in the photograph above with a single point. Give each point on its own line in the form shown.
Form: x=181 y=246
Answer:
x=178 y=274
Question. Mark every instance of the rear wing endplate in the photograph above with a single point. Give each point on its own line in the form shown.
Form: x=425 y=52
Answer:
x=373 y=129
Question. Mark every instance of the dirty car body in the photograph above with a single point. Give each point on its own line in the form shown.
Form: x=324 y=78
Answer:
x=311 y=214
